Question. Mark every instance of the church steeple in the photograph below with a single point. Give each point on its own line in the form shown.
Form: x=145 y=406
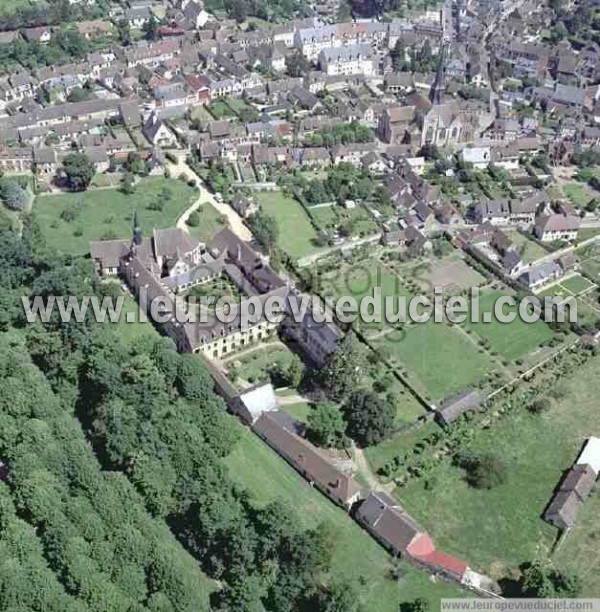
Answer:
x=436 y=93
x=137 y=231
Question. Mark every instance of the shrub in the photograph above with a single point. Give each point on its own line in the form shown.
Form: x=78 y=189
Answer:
x=538 y=406
x=194 y=219
x=484 y=471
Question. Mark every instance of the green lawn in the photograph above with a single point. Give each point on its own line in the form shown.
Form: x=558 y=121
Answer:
x=384 y=452
x=512 y=340
x=325 y=216
x=361 y=279
x=530 y=251
x=254 y=366
x=296 y=234
x=299 y=411
x=554 y=290
x=356 y=557
x=586 y=233
x=133 y=331
x=499 y=529
x=108 y=213
x=591 y=267
x=441 y=361
x=332 y=217
x=576 y=284
x=211 y=222
x=578 y=194
x=199 y=113
x=219 y=109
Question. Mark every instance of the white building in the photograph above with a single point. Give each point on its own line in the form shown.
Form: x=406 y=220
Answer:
x=478 y=156
x=351 y=59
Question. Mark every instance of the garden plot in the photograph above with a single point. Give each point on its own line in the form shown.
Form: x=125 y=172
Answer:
x=589 y=258
x=453 y=274
x=511 y=340
x=437 y=360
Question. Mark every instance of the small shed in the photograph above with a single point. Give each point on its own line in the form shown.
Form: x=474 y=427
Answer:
x=453 y=407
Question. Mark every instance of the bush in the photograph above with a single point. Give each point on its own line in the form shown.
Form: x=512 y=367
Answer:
x=484 y=471
x=13 y=195
x=540 y=405
x=194 y=219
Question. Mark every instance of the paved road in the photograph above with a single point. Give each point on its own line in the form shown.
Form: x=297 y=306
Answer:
x=235 y=222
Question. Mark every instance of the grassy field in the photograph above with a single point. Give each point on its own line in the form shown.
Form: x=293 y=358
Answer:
x=586 y=233
x=578 y=194
x=529 y=250
x=296 y=234
x=211 y=222
x=360 y=281
x=356 y=557
x=381 y=454
x=254 y=366
x=452 y=273
x=219 y=109
x=71 y=220
x=499 y=529
x=299 y=411
x=576 y=284
x=325 y=216
x=590 y=264
x=440 y=360
x=137 y=329
x=512 y=340
x=579 y=552
x=199 y=113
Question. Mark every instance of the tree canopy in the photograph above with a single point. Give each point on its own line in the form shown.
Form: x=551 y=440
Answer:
x=79 y=171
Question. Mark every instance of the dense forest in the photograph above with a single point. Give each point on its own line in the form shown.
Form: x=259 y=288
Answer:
x=114 y=495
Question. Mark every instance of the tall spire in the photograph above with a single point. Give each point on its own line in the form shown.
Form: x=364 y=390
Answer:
x=436 y=93
x=137 y=230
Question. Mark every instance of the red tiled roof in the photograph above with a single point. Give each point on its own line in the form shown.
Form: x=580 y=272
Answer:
x=440 y=560
x=421 y=546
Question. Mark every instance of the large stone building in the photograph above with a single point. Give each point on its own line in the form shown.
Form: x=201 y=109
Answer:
x=170 y=263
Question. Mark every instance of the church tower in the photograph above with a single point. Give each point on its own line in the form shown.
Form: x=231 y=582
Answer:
x=436 y=93
x=137 y=232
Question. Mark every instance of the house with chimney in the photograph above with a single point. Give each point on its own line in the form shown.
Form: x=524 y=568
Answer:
x=157 y=133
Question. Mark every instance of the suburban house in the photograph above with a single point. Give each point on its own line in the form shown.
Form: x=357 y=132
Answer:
x=557 y=226
x=541 y=274
x=157 y=132
x=505 y=211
